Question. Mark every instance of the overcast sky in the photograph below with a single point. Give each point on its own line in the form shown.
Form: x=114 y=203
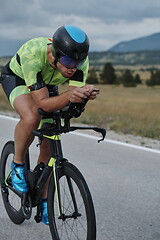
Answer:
x=106 y=22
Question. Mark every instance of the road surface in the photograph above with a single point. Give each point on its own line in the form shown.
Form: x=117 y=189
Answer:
x=124 y=181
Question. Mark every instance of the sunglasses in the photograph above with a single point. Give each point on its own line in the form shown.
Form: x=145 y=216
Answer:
x=69 y=62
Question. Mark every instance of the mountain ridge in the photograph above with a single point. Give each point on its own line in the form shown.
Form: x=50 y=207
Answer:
x=145 y=58
x=146 y=43
x=133 y=53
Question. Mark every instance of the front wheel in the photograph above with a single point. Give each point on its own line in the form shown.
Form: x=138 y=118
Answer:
x=11 y=200
x=78 y=216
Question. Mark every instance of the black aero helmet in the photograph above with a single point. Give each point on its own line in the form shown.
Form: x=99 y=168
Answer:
x=71 y=41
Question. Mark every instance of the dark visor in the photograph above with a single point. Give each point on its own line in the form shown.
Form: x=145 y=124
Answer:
x=69 y=62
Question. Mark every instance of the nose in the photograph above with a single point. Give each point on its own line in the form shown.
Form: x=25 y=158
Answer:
x=73 y=69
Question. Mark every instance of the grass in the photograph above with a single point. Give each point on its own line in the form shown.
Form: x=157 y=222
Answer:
x=128 y=110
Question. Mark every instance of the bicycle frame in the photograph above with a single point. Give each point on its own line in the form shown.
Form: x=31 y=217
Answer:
x=52 y=131
x=69 y=202
x=54 y=164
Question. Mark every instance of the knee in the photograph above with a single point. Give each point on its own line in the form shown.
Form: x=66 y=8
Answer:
x=32 y=120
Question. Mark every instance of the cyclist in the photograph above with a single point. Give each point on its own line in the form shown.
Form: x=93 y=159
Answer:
x=30 y=82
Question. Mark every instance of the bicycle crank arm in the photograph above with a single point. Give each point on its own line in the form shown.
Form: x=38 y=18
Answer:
x=26 y=206
x=74 y=215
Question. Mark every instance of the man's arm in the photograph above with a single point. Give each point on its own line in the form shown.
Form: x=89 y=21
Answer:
x=48 y=104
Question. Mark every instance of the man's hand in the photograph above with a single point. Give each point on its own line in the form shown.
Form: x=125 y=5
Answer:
x=92 y=90
x=77 y=94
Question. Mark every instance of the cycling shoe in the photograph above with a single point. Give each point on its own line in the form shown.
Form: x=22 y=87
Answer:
x=44 y=212
x=18 y=177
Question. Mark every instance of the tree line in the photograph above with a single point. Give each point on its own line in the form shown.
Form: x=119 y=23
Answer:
x=109 y=76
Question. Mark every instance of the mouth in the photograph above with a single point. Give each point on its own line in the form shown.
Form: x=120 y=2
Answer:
x=69 y=74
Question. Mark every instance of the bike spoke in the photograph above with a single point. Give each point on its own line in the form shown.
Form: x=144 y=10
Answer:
x=70 y=228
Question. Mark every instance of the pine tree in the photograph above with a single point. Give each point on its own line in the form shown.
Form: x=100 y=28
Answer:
x=92 y=77
x=108 y=75
x=137 y=79
x=127 y=79
x=155 y=78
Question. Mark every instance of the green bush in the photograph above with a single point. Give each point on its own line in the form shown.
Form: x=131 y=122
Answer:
x=128 y=80
x=92 y=77
x=155 y=78
x=108 y=75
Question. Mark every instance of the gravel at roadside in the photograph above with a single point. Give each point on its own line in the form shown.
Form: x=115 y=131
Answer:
x=136 y=140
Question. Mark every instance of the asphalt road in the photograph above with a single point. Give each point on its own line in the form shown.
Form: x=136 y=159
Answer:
x=124 y=182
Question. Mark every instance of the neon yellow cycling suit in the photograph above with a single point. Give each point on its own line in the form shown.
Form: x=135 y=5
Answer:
x=31 y=65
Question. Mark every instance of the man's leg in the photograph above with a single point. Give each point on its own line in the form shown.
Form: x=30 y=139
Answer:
x=29 y=121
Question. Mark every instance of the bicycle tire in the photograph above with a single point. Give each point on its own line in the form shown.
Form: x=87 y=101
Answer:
x=85 y=225
x=11 y=200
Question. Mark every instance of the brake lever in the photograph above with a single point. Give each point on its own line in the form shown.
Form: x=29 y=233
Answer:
x=96 y=129
x=102 y=131
x=103 y=135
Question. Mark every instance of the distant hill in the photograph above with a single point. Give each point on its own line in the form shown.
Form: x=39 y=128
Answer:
x=141 y=51
x=146 y=58
x=148 y=43
x=129 y=58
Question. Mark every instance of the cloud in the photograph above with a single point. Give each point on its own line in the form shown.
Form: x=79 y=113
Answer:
x=105 y=36
x=40 y=11
x=106 y=22
x=110 y=34
x=108 y=10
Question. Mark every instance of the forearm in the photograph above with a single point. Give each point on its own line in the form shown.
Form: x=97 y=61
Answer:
x=54 y=103
x=49 y=104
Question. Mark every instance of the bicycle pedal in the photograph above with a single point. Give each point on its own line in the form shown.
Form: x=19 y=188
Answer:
x=26 y=206
x=37 y=219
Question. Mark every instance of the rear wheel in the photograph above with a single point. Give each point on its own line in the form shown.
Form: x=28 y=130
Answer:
x=11 y=199
x=76 y=222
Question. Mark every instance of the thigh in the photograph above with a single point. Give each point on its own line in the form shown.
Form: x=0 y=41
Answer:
x=26 y=107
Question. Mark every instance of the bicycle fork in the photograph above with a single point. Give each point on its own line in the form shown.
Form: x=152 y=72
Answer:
x=57 y=172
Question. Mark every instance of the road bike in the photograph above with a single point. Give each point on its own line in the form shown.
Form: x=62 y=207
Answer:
x=70 y=205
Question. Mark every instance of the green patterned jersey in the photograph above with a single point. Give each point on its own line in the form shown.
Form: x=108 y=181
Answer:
x=31 y=60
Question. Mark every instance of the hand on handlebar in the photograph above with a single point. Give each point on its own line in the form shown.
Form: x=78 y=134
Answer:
x=93 y=91
x=77 y=94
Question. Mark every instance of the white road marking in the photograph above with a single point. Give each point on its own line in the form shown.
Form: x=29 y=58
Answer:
x=97 y=138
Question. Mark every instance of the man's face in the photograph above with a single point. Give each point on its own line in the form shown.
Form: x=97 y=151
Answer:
x=66 y=72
